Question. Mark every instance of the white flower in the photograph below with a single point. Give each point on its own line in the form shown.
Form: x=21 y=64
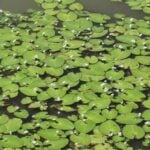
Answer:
x=26 y=131
x=33 y=142
x=58 y=112
x=110 y=134
x=102 y=84
x=119 y=133
x=57 y=131
x=86 y=64
x=147 y=122
x=58 y=98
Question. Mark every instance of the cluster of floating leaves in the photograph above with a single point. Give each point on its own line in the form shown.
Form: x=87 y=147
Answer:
x=143 y=5
x=72 y=79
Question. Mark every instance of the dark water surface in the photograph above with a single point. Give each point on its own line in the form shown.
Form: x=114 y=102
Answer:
x=102 y=6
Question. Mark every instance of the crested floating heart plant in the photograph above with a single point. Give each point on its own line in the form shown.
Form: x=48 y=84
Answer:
x=73 y=79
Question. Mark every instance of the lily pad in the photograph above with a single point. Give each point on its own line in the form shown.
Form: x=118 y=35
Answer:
x=70 y=16
x=28 y=91
x=76 y=6
x=133 y=132
x=21 y=114
x=146 y=114
x=109 y=127
x=63 y=124
x=13 y=125
x=82 y=138
x=49 y=134
x=3 y=119
x=112 y=114
x=84 y=126
x=129 y=118
x=54 y=62
x=11 y=141
x=98 y=18
x=58 y=144
x=95 y=116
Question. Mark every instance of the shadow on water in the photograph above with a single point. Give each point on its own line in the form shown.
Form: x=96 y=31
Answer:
x=102 y=6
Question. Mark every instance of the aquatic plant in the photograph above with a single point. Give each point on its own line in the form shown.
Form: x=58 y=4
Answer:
x=70 y=78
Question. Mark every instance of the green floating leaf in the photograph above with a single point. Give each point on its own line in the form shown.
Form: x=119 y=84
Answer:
x=69 y=99
x=94 y=86
x=146 y=114
x=76 y=6
x=54 y=62
x=41 y=115
x=12 y=88
x=75 y=44
x=113 y=75
x=109 y=127
x=56 y=93
x=49 y=134
x=146 y=10
x=102 y=102
x=12 y=109
x=63 y=124
x=143 y=60
x=67 y=1
x=82 y=138
x=22 y=114
x=70 y=16
x=78 y=25
x=132 y=95
x=120 y=84
x=129 y=39
x=133 y=132
x=9 y=61
x=54 y=71
x=32 y=55
x=78 y=62
x=95 y=116
x=11 y=141
x=47 y=32
x=110 y=114
x=4 y=82
x=50 y=5
x=84 y=126
x=43 y=96
x=54 y=47
x=70 y=79
x=13 y=125
x=98 y=18
x=3 y=119
x=118 y=54
x=128 y=118
x=146 y=103
x=123 y=109
x=58 y=144
x=26 y=100
x=28 y=91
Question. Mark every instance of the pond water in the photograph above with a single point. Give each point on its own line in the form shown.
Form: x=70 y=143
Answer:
x=102 y=6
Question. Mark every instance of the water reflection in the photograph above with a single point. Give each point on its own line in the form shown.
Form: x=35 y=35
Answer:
x=102 y=6
x=18 y=6
x=108 y=7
